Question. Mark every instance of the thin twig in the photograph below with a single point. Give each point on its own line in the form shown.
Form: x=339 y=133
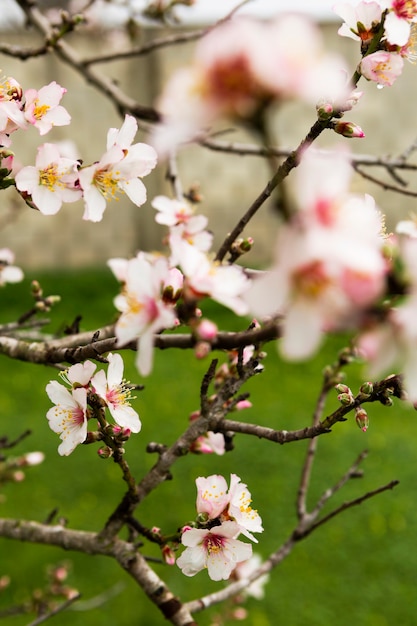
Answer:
x=58 y=609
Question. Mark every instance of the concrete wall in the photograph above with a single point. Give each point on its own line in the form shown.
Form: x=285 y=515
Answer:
x=228 y=183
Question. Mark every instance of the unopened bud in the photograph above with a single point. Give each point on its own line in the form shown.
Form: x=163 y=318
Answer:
x=324 y=111
x=240 y=246
x=207 y=330
x=202 y=349
x=341 y=388
x=345 y=398
x=105 y=453
x=348 y=129
x=202 y=518
x=168 y=555
x=362 y=419
x=367 y=388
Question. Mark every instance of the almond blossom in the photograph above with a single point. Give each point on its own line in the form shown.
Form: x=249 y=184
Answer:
x=217 y=549
x=382 y=67
x=361 y=22
x=205 y=278
x=118 y=171
x=143 y=310
x=216 y=501
x=42 y=108
x=239 y=68
x=11 y=114
x=79 y=375
x=68 y=417
x=51 y=181
x=393 y=341
x=116 y=393
x=329 y=264
x=401 y=15
x=9 y=273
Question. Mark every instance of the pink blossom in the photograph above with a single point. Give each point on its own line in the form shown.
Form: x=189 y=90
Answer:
x=239 y=68
x=11 y=114
x=68 y=417
x=143 y=311
x=116 y=393
x=329 y=263
x=118 y=171
x=204 y=278
x=397 y=26
x=9 y=273
x=217 y=550
x=42 y=108
x=172 y=212
x=210 y=443
x=393 y=342
x=51 y=181
x=212 y=496
x=382 y=67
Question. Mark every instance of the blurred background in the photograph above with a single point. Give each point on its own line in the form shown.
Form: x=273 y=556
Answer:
x=361 y=567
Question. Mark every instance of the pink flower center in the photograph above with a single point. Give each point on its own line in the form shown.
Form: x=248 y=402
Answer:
x=405 y=9
x=213 y=543
x=311 y=279
x=230 y=82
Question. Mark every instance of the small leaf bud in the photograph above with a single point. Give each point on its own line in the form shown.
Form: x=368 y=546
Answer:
x=105 y=453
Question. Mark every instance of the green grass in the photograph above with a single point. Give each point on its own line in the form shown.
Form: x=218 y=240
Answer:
x=360 y=568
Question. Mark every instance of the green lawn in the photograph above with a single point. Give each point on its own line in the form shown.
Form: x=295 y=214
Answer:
x=359 y=569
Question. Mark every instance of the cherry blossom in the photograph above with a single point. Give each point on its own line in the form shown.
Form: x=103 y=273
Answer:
x=143 y=311
x=118 y=171
x=52 y=181
x=217 y=549
x=68 y=417
x=42 y=108
x=9 y=273
x=116 y=393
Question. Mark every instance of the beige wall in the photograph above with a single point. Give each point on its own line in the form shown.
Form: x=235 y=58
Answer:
x=228 y=183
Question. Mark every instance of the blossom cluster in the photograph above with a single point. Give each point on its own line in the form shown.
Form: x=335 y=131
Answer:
x=384 y=29
x=160 y=292
x=242 y=67
x=55 y=178
x=85 y=393
x=223 y=514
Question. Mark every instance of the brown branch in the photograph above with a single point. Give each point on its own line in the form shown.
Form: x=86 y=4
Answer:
x=384 y=185
x=243 y=149
x=282 y=172
x=123 y=552
x=68 y=54
x=82 y=346
x=18 y=52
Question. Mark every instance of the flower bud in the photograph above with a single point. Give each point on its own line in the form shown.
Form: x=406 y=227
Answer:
x=367 y=388
x=362 y=419
x=345 y=398
x=168 y=555
x=324 y=111
x=206 y=330
x=202 y=349
x=105 y=453
x=348 y=129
